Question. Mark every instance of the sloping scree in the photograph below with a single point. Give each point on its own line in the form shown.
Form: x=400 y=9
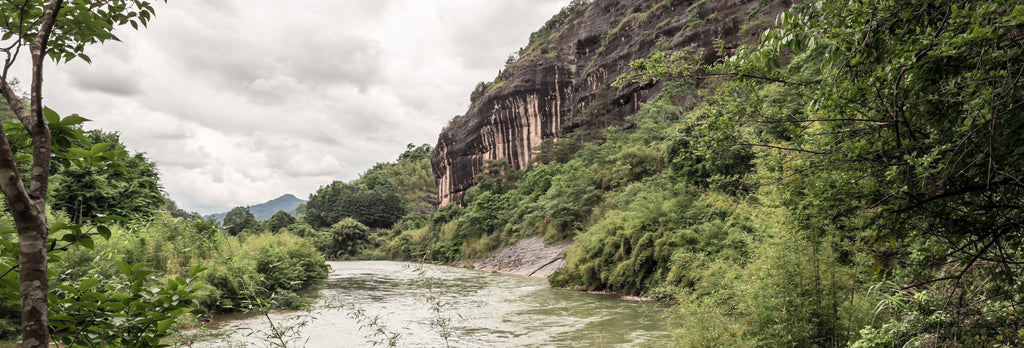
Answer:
x=528 y=257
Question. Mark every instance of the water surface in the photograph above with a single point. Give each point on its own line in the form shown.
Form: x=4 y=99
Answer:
x=423 y=303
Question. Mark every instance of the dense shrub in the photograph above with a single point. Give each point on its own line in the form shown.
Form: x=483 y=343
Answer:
x=652 y=243
x=237 y=272
x=285 y=261
x=374 y=204
x=343 y=240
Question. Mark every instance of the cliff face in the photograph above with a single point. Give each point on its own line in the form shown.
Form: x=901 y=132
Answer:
x=553 y=90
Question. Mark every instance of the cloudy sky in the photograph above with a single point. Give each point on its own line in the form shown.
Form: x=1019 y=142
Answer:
x=240 y=101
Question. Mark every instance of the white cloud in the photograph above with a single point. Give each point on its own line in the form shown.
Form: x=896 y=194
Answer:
x=240 y=101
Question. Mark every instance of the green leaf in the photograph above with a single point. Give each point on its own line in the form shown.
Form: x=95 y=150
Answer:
x=58 y=226
x=87 y=242
x=103 y=231
x=196 y=269
x=73 y=120
x=69 y=237
x=165 y=324
x=61 y=317
x=114 y=306
x=99 y=148
x=50 y=116
x=89 y=305
x=76 y=153
x=123 y=267
x=10 y=246
x=88 y=284
x=172 y=285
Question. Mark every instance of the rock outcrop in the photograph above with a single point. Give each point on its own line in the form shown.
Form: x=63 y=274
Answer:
x=566 y=83
x=529 y=257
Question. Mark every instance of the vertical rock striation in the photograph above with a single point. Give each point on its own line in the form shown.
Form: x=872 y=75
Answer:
x=551 y=91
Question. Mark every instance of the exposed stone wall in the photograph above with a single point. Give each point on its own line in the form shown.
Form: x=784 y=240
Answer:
x=546 y=96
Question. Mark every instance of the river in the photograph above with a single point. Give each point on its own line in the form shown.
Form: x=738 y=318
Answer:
x=423 y=304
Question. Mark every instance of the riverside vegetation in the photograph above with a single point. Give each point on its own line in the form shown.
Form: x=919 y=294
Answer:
x=853 y=179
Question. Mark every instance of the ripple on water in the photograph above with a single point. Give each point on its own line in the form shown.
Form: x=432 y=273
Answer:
x=486 y=310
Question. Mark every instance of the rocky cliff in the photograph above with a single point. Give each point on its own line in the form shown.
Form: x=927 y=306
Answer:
x=563 y=80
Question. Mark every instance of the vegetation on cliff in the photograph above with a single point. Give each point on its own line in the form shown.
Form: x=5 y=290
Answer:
x=855 y=179
x=831 y=186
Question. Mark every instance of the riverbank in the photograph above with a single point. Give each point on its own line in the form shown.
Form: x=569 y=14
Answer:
x=530 y=257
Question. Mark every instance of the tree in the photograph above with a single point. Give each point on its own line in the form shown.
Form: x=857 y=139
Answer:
x=478 y=91
x=281 y=219
x=374 y=203
x=60 y=31
x=893 y=127
x=343 y=239
x=130 y=189
x=238 y=220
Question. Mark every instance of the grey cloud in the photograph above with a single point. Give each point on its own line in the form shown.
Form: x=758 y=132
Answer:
x=339 y=85
x=183 y=158
x=344 y=59
x=215 y=173
x=237 y=54
x=115 y=84
x=483 y=49
x=112 y=73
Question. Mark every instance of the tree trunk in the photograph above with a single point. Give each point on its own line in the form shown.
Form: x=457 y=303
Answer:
x=28 y=205
x=35 y=320
x=30 y=220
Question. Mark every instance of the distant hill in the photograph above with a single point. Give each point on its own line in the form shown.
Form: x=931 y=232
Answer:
x=264 y=211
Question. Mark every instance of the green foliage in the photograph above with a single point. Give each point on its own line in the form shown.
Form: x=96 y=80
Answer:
x=558 y=198
x=126 y=311
x=660 y=233
x=420 y=237
x=343 y=240
x=792 y=291
x=79 y=24
x=564 y=207
x=896 y=142
x=721 y=169
x=286 y=262
x=379 y=197
x=97 y=297
x=483 y=215
x=280 y=220
x=238 y=220
x=239 y=274
x=556 y=150
x=77 y=151
x=277 y=265
x=10 y=308
x=452 y=122
x=478 y=91
x=415 y=153
x=129 y=189
x=540 y=36
x=374 y=205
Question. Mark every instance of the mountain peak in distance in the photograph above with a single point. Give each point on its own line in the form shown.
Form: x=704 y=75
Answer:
x=287 y=202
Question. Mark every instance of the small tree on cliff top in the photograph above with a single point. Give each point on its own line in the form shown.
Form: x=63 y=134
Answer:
x=59 y=30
